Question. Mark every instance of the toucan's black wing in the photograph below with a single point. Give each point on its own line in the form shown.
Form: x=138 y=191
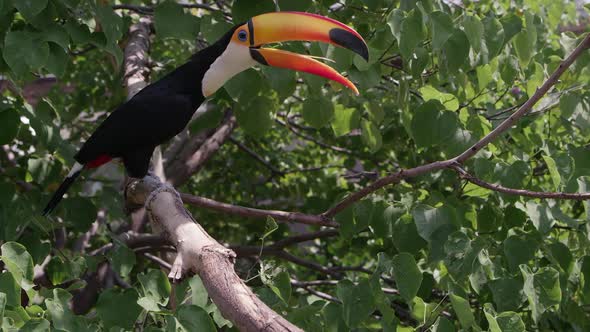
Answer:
x=135 y=128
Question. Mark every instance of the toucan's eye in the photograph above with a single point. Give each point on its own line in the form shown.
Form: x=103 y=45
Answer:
x=242 y=35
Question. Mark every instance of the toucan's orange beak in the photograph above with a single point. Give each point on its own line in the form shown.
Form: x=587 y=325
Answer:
x=292 y=26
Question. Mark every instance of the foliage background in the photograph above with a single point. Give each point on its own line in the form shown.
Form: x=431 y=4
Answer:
x=434 y=252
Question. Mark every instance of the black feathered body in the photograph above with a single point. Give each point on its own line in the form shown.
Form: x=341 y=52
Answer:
x=157 y=113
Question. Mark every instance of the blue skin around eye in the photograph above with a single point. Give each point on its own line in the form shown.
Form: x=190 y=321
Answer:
x=242 y=35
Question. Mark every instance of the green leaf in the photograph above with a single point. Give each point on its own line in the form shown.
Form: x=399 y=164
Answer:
x=24 y=51
x=109 y=305
x=9 y=125
x=507 y=293
x=57 y=60
x=155 y=285
x=585 y=279
x=78 y=32
x=122 y=260
x=170 y=20
x=36 y=325
x=394 y=21
x=193 y=318
x=60 y=270
x=456 y=50
x=405 y=236
x=540 y=215
x=535 y=80
x=542 y=289
x=255 y=117
x=245 y=86
x=243 y=10
x=30 y=8
x=10 y=289
x=371 y=135
x=408 y=276
x=429 y=219
x=19 y=263
x=345 y=120
x=484 y=76
x=488 y=219
x=295 y=5
x=442 y=324
x=510 y=322
x=80 y=212
x=524 y=46
x=448 y=100
x=474 y=31
x=512 y=25
x=553 y=172
x=283 y=81
x=494 y=37
x=357 y=301
x=61 y=315
x=463 y=310
x=57 y=34
x=519 y=249
x=112 y=24
x=199 y=294
x=411 y=34
x=281 y=286
x=318 y=111
x=210 y=119
x=3 y=301
x=431 y=127
x=461 y=254
x=213 y=29
x=442 y=28
x=269 y=227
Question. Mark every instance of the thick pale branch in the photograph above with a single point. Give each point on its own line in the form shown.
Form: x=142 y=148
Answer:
x=247 y=212
x=200 y=253
x=136 y=57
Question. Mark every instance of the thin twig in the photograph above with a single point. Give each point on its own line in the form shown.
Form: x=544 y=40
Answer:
x=247 y=212
x=520 y=192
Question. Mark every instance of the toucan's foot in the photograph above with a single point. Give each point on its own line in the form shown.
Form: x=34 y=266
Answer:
x=175 y=274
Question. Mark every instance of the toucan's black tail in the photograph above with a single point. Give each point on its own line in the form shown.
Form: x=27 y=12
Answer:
x=63 y=188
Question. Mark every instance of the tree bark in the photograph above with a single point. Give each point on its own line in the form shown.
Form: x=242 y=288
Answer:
x=198 y=252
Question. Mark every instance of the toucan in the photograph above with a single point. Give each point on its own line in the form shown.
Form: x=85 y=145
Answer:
x=162 y=109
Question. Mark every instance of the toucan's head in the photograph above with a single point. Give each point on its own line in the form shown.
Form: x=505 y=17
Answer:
x=242 y=47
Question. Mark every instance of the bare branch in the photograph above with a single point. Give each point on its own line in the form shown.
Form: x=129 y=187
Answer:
x=384 y=181
x=179 y=175
x=242 y=211
x=520 y=192
x=256 y=156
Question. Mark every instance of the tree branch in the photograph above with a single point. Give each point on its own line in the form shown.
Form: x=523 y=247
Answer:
x=199 y=253
x=461 y=158
x=520 y=192
x=242 y=211
x=181 y=173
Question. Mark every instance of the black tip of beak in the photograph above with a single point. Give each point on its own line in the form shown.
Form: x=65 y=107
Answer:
x=350 y=41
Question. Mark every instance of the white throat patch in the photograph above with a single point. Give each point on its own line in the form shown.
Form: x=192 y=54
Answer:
x=235 y=59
